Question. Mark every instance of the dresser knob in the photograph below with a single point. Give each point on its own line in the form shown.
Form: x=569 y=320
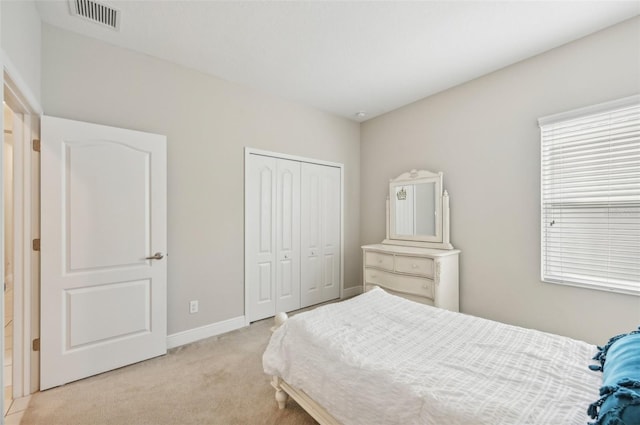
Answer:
x=379 y=260
x=414 y=265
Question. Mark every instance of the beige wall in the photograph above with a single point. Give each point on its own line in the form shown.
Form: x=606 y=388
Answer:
x=208 y=122
x=21 y=44
x=483 y=135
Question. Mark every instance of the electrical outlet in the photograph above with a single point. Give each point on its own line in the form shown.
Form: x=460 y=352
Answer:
x=193 y=306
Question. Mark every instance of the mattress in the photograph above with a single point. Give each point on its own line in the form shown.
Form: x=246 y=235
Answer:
x=381 y=359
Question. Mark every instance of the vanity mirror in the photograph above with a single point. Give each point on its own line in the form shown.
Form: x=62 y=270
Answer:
x=418 y=211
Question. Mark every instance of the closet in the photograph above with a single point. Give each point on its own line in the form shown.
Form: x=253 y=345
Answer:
x=292 y=233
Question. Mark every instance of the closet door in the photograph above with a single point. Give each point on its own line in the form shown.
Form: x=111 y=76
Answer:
x=260 y=228
x=272 y=236
x=288 y=236
x=320 y=234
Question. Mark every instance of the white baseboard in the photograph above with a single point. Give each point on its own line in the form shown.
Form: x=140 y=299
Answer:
x=351 y=291
x=193 y=335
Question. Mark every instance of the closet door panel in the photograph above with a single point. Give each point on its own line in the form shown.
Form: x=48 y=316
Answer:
x=288 y=235
x=311 y=270
x=265 y=282
x=320 y=237
x=261 y=231
x=331 y=233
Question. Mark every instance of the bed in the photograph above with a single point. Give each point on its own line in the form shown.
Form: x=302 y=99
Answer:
x=381 y=359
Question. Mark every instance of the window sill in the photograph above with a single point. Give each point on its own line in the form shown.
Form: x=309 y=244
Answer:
x=598 y=287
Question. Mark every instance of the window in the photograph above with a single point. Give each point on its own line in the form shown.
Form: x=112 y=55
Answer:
x=590 y=186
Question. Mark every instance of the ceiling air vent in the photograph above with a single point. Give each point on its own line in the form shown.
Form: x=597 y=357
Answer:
x=96 y=12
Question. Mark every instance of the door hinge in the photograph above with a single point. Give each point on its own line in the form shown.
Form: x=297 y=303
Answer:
x=36 y=244
x=36 y=145
x=36 y=344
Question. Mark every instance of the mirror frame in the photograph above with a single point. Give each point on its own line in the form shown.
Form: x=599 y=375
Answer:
x=441 y=239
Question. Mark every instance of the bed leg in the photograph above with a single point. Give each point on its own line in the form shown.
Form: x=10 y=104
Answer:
x=281 y=398
x=281 y=395
x=279 y=319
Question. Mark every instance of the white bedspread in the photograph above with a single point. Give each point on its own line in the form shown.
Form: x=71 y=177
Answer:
x=380 y=359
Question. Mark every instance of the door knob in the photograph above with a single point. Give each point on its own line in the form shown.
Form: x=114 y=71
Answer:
x=156 y=256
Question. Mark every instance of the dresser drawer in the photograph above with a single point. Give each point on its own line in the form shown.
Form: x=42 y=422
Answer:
x=379 y=260
x=414 y=265
x=404 y=284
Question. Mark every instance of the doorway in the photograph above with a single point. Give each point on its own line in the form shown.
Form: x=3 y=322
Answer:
x=21 y=204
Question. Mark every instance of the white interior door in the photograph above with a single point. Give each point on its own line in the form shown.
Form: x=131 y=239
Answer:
x=103 y=214
x=320 y=234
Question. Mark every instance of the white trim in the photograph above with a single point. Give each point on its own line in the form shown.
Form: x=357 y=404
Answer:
x=16 y=81
x=31 y=259
x=351 y=291
x=207 y=331
x=247 y=308
x=341 y=231
x=251 y=151
x=595 y=286
x=589 y=110
x=21 y=225
x=2 y=337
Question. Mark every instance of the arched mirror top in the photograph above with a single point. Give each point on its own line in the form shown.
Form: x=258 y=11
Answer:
x=418 y=210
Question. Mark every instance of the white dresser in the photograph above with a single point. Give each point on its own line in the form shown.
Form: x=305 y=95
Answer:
x=426 y=275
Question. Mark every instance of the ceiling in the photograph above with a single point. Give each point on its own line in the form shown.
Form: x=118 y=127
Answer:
x=346 y=56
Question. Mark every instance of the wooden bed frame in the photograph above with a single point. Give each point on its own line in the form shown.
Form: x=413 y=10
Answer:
x=284 y=391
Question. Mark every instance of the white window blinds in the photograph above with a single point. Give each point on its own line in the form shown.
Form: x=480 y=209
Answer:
x=590 y=187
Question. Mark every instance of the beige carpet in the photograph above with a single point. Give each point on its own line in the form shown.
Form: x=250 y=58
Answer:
x=214 y=381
